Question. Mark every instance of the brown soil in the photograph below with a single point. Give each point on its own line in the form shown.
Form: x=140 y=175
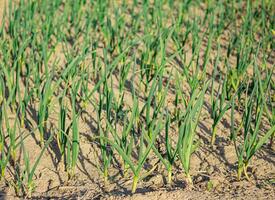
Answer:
x=210 y=166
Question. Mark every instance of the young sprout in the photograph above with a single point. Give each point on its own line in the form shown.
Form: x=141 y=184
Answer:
x=126 y=139
x=45 y=98
x=218 y=104
x=187 y=129
x=73 y=145
x=251 y=138
x=142 y=153
x=29 y=171
x=5 y=156
x=269 y=107
x=62 y=136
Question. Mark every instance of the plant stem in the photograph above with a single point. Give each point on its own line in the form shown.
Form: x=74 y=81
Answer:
x=214 y=132
x=240 y=171
x=189 y=179
x=169 y=179
x=245 y=172
x=134 y=186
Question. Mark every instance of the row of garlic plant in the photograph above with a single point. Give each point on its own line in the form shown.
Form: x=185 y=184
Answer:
x=32 y=77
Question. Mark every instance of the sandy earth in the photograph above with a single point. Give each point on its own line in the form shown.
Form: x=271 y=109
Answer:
x=209 y=165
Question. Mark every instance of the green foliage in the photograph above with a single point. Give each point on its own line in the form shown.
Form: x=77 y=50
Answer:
x=140 y=72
